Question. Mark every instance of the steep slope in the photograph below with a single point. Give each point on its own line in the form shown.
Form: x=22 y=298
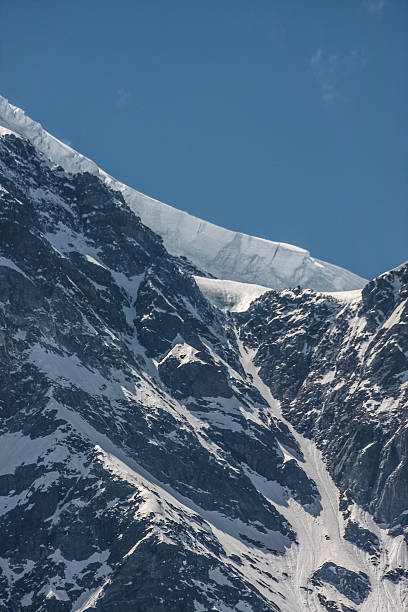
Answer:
x=110 y=479
x=215 y=250
x=340 y=368
x=229 y=296
x=153 y=453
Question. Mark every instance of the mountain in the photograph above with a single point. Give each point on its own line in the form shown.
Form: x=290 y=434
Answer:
x=212 y=249
x=171 y=442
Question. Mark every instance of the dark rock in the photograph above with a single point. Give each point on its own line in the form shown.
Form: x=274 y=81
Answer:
x=396 y=575
x=188 y=371
x=355 y=587
x=362 y=538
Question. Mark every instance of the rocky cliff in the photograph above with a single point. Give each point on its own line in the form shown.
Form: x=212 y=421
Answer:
x=160 y=453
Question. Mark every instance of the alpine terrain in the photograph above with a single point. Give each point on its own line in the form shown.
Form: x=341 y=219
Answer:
x=191 y=419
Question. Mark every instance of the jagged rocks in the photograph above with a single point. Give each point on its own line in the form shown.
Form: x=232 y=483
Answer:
x=339 y=366
x=355 y=587
x=188 y=371
x=97 y=452
x=397 y=574
x=143 y=463
x=332 y=606
x=362 y=538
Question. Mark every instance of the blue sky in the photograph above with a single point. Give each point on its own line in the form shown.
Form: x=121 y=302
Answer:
x=284 y=119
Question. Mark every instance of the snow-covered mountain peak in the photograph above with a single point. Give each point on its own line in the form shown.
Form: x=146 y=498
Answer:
x=220 y=252
x=157 y=453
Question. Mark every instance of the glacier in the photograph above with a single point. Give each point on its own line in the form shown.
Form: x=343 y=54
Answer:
x=217 y=251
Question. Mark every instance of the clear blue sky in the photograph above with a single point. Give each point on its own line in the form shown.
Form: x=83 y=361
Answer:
x=280 y=118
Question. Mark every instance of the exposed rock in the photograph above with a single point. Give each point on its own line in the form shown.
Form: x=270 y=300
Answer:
x=355 y=587
x=338 y=366
x=143 y=464
x=188 y=371
x=363 y=538
x=397 y=574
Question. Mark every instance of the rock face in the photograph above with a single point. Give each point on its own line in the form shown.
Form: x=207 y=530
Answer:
x=340 y=369
x=363 y=538
x=145 y=463
x=355 y=587
x=109 y=484
x=190 y=372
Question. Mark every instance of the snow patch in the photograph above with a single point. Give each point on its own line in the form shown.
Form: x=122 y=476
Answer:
x=184 y=353
x=229 y=295
x=4 y=261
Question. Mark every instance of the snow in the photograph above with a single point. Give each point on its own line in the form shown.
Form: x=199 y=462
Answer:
x=58 y=594
x=217 y=575
x=4 y=261
x=27 y=599
x=320 y=534
x=67 y=368
x=5 y=131
x=89 y=598
x=395 y=317
x=94 y=261
x=74 y=568
x=9 y=502
x=328 y=377
x=184 y=353
x=229 y=295
x=223 y=253
x=344 y=296
x=321 y=537
x=223 y=413
x=73 y=573
x=12 y=576
x=162 y=503
x=161 y=498
x=16 y=450
x=39 y=193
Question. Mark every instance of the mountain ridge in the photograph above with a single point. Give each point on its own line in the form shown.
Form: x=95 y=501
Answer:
x=161 y=453
x=220 y=252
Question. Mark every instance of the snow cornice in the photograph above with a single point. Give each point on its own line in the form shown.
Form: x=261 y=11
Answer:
x=221 y=252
